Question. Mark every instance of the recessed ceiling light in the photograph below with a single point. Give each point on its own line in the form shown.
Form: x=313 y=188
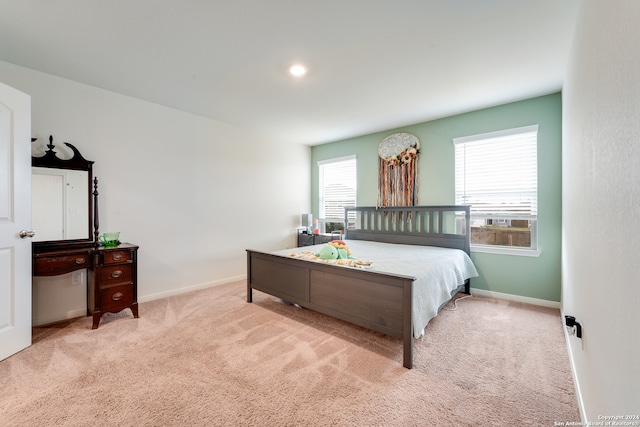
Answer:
x=298 y=70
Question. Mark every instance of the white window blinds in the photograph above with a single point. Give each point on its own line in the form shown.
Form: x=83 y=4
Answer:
x=496 y=173
x=338 y=187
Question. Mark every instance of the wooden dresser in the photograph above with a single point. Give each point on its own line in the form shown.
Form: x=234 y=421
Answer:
x=71 y=243
x=112 y=283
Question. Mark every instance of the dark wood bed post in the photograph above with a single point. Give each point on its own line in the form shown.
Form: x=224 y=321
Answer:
x=249 y=289
x=407 y=326
x=467 y=247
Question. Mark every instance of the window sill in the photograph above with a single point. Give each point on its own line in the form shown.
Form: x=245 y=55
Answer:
x=505 y=250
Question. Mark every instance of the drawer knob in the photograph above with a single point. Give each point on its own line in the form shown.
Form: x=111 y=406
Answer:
x=80 y=260
x=117 y=257
x=117 y=296
x=116 y=274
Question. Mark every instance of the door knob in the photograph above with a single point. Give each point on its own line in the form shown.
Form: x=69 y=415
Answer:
x=27 y=233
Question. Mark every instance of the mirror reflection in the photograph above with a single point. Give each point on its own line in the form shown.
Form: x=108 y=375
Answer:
x=59 y=204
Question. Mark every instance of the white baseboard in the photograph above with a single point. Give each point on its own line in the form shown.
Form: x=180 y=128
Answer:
x=179 y=291
x=518 y=298
x=574 y=372
x=46 y=320
x=551 y=304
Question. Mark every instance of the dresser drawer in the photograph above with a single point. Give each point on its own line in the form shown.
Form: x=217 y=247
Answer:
x=113 y=274
x=116 y=297
x=114 y=257
x=60 y=264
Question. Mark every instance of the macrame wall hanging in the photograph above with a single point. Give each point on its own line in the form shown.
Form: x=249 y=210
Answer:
x=398 y=170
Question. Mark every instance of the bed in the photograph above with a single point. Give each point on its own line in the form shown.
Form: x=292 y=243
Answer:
x=393 y=295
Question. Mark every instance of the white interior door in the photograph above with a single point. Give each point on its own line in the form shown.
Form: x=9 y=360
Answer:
x=15 y=216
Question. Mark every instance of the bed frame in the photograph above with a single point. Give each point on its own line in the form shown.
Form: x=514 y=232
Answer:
x=374 y=300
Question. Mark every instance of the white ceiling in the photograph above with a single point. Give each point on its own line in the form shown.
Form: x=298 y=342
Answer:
x=373 y=64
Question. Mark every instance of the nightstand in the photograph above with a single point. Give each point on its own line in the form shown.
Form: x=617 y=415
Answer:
x=316 y=239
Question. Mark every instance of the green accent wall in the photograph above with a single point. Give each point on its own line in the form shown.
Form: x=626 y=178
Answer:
x=534 y=277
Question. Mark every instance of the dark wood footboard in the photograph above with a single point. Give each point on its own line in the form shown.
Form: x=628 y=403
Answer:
x=377 y=301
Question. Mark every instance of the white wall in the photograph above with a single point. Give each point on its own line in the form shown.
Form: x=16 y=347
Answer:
x=601 y=206
x=194 y=193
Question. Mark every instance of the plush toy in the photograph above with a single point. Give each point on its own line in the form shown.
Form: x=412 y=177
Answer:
x=335 y=249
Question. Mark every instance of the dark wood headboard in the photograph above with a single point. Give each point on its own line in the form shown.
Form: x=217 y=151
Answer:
x=443 y=226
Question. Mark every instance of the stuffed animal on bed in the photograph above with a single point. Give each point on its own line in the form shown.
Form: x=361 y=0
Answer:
x=335 y=249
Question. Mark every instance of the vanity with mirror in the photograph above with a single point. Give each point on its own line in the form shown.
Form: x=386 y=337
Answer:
x=66 y=233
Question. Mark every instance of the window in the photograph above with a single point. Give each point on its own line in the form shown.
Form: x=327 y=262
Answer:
x=338 y=187
x=496 y=173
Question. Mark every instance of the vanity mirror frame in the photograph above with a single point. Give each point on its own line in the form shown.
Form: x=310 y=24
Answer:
x=79 y=163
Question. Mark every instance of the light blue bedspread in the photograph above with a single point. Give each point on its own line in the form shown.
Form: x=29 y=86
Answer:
x=438 y=272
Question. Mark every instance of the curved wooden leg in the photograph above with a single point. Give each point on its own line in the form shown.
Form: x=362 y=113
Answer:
x=96 y=319
x=134 y=309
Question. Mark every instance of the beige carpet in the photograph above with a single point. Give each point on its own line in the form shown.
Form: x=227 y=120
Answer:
x=208 y=358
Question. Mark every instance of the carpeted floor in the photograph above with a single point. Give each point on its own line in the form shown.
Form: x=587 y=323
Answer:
x=208 y=358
